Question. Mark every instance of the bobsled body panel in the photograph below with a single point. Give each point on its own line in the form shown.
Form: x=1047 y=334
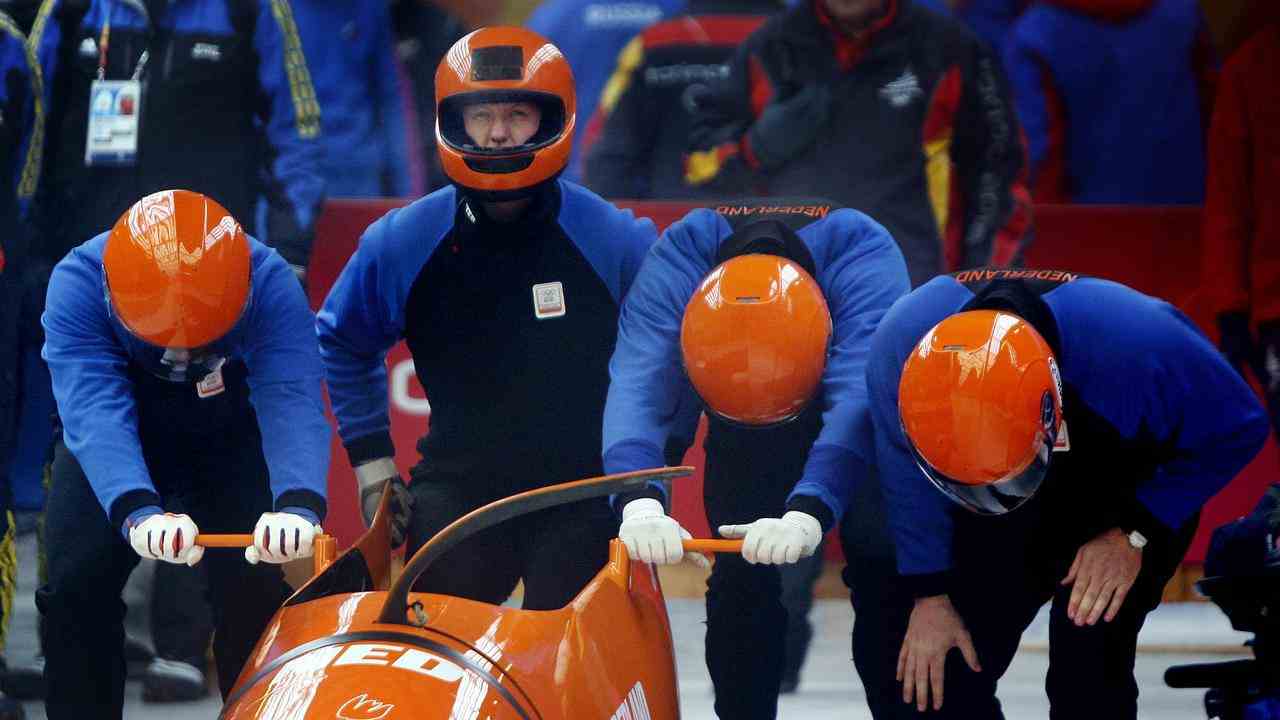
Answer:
x=605 y=655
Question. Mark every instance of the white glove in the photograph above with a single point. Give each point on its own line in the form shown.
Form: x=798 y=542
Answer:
x=167 y=537
x=652 y=536
x=280 y=537
x=774 y=541
x=370 y=479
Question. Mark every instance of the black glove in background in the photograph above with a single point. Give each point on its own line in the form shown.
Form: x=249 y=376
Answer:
x=788 y=127
x=400 y=507
x=1236 y=340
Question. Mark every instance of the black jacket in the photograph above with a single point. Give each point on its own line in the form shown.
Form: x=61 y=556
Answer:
x=920 y=133
x=636 y=141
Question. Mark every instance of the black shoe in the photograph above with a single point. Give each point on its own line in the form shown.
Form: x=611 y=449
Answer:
x=137 y=656
x=173 y=681
x=789 y=684
x=11 y=709
x=25 y=681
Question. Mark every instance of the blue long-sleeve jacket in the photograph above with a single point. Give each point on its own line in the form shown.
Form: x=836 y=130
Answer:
x=510 y=326
x=1110 y=105
x=1148 y=403
x=89 y=353
x=861 y=273
x=227 y=105
x=351 y=53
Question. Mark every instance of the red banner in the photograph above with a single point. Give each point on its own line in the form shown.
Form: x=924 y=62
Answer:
x=1155 y=250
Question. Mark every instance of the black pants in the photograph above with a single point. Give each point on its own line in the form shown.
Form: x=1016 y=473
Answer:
x=181 y=619
x=1005 y=569
x=224 y=489
x=797 y=599
x=749 y=473
x=556 y=552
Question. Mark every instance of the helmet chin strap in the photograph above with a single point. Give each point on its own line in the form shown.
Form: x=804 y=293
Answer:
x=181 y=361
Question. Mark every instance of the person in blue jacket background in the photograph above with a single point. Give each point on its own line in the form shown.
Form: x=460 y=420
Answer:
x=1082 y=425
x=227 y=104
x=761 y=311
x=184 y=364
x=350 y=49
x=506 y=287
x=1113 y=97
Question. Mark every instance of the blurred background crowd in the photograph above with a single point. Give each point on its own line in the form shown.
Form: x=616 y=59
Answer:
x=275 y=106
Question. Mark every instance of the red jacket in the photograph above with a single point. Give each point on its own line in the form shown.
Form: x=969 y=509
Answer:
x=1241 y=218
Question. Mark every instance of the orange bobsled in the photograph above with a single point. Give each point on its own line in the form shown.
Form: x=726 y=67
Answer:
x=351 y=645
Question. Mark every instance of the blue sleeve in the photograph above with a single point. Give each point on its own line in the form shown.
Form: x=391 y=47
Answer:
x=1145 y=368
x=285 y=378
x=649 y=393
x=359 y=322
x=90 y=383
x=862 y=273
x=292 y=123
x=395 y=129
x=613 y=241
x=919 y=517
x=363 y=316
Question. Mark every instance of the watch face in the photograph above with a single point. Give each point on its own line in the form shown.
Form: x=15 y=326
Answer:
x=1136 y=539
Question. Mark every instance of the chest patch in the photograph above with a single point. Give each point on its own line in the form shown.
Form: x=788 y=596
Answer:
x=548 y=300
x=207 y=52
x=900 y=92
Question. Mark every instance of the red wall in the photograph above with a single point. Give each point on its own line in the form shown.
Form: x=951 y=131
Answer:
x=1155 y=250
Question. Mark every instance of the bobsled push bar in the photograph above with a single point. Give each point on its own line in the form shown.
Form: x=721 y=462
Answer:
x=324 y=549
x=395 y=610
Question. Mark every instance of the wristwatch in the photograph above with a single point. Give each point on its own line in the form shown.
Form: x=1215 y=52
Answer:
x=1137 y=539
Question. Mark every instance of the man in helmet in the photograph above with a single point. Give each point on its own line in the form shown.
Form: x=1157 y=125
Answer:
x=184 y=364
x=759 y=312
x=506 y=287
x=1077 y=427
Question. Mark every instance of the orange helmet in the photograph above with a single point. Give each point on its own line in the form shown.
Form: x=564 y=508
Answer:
x=504 y=65
x=177 y=270
x=981 y=402
x=754 y=339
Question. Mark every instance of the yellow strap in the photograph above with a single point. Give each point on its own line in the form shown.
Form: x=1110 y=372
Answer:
x=306 y=109
x=35 y=151
x=938 y=171
x=628 y=60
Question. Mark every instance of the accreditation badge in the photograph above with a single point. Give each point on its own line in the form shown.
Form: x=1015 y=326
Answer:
x=115 y=107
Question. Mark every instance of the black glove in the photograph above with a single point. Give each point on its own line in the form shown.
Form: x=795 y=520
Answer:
x=1236 y=339
x=788 y=127
x=371 y=478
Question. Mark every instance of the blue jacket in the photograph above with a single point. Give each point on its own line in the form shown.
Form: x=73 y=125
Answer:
x=21 y=121
x=861 y=273
x=90 y=353
x=515 y=391
x=1111 y=107
x=1142 y=388
x=591 y=33
x=350 y=50
x=228 y=105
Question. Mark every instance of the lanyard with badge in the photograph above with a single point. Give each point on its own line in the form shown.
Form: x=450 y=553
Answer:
x=115 y=107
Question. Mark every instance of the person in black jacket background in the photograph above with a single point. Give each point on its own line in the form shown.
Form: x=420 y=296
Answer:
x=636 y=140
x=885 y=107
